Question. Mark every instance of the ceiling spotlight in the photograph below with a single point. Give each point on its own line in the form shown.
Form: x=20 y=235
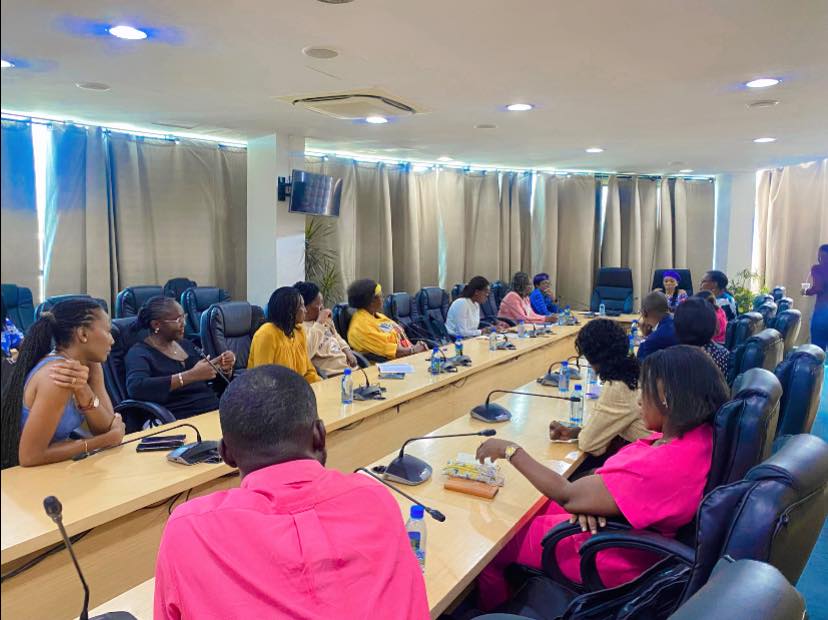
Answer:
x=444 y=158
x=762 y=83
x=595 y=149
x=336 y=1
x=485 y=126
x=320 y=53
x=100 y=86
x=5 y=64
x=127 y=32
x=519 y=107
x=686 y=170
x=376 y=120
x=764 y=140
x=763 y=103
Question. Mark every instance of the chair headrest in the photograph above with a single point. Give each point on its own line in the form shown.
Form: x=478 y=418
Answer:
x=752 y=318
x=767 y=338
x=801 y=463
x=433 y=297
x=778 y=292
x=402 y=303
x=757 y=381
x=809 y=350
x=124 y=334
x=236 y=318
x=10 y=294
x=206 y=296
x=786 y=317
x=620 y=277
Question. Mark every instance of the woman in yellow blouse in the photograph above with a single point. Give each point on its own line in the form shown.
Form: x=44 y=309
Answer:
x=371 y=331
x=282 y=339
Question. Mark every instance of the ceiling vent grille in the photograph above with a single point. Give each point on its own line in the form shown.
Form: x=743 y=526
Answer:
x=354 y=105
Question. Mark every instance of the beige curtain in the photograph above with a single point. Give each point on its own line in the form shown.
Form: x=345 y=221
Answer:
x=680 y=224
x=629 y=212
x=451 y=212
x=20 y=262
x=695 y=200
x=792 y=218
x=373 y=245
x=576 y=243
x=482 y=208
x=664 y=257
x=179 y=210
x=79 y=256
x=611 y=242
x=545 y=227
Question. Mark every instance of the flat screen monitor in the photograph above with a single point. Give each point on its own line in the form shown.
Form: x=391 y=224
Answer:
x=315 y=194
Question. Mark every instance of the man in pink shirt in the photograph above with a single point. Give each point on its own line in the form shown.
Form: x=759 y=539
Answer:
x=295 y=540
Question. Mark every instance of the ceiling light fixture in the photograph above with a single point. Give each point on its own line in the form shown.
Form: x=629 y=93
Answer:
x=519 y=107
x=763 y=103
x=127 y=32
x=595 y=149
x=444 y=158
x=762 y=82
x=376 y=120
x=99 y=86
x=485 y=126
x=764 y=140
x=320 y=53
x=6 y=64
x=686 y=170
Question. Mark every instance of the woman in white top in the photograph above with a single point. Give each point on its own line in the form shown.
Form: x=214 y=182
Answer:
x=463 y=317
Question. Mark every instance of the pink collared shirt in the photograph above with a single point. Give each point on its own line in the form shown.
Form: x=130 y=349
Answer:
x=295 y=540
x=518 y=308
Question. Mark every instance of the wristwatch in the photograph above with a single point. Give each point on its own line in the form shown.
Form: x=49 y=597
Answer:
x=92 y=405
x=510 y=451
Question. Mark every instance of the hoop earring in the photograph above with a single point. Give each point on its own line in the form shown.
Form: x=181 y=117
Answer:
x=156 y=330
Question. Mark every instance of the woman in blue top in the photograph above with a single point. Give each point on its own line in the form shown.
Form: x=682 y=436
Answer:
x=541 y=297
x=56 y=385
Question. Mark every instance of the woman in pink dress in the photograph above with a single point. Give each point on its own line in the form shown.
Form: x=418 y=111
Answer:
x=517 y=306
x=656 y=482
x=721 y=317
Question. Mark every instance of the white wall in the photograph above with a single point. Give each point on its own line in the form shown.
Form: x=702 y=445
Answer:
x=735 y=210
x=275 y=238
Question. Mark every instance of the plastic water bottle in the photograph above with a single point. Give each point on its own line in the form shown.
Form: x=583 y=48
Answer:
x=634 y=332
x=347 y=387
x=632 y=344
x=416 y=529
x=434 y=369
x=458 y=347
x=602 y=310
x=593 y=388
x=563 y=378
x=576 y=407
x=568 y=315
x=493 y=340
x=521 y=329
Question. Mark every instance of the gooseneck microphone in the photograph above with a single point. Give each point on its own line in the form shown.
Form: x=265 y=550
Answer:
x=83 y=455
x=54 y=510
x=492 y=412
x=215 y=367
x=435 y=514
x=368 y=391
x=407 y=469
x=550 y=379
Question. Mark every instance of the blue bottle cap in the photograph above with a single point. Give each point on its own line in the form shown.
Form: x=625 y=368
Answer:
x=347 y=371
x=577 y=387
x=564 y=364
x=417 y=511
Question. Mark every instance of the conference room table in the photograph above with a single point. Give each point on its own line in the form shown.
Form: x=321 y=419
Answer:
x=475 y=529
x=119 y=500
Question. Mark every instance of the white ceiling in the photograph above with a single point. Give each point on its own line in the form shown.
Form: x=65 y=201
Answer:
x=651 y=81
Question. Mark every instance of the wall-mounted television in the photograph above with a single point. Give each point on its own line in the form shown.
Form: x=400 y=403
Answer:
x=315 y=194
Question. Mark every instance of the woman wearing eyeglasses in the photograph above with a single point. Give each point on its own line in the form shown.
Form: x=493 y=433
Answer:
x=165 y=368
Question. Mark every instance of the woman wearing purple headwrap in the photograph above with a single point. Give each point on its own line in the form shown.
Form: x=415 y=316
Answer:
x=819 y=288
x=675 y=295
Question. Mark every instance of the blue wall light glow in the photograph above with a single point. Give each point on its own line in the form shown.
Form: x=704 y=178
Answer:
x=127 y=32
x=86 y=28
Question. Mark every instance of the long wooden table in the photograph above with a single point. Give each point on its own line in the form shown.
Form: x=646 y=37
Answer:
x=475 y=529
x=116 y=492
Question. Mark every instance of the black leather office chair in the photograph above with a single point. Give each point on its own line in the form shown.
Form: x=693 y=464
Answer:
x=431 y=306
x=175 y=287
x=499 y=290
x=778 y=293
x=130 y=300
x=50 y=302
x=402 y=309
x=19 y=305
x=801 y=375
x=685 y=279
x=456 y=290
x=195 y=301
x=342 y=314
x=763 y=350
x=760 y=299
x=773 y=515
x=786 y=303
x=230 y=326
x=742 y=328
x=488 y=313
x=134 y=412
x=768 y=312
x=788 y=323
x=613 y=288
x=744 y=590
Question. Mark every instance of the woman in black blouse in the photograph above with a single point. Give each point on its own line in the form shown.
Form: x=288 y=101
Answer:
x=165 y=368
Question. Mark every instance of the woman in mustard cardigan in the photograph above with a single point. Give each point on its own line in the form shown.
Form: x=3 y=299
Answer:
x=282 y=339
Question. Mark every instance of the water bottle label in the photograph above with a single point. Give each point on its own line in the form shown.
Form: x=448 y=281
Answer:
x=415 y=538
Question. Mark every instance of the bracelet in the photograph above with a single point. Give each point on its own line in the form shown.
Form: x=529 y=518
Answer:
x=180 y=380
x=85 y=447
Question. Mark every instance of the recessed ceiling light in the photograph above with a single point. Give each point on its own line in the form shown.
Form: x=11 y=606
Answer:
x=444 y=158
x=376 y=120
x=100 y=86
x=762 y=82
x=320 y=53
x=595 y=149
x=5 y=64
x=763 y=103
x=485 y=126
x=127 y=32
x=336 y=1
x=686 y=170
x=519 y=107
x=764 y=140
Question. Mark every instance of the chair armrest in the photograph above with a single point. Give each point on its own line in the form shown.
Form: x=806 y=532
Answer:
x=641 y=540
x=549 y=563
x=146 y=409
x=362 y=361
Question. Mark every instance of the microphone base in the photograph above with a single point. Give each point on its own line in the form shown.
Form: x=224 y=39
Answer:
x=368 y=392
x=114 y=615
x=461 y=360
x=408 y=470
x=491 y=413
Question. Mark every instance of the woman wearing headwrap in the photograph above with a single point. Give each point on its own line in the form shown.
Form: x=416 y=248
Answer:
x=675 y=295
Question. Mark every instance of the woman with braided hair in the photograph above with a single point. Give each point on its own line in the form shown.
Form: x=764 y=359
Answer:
x=56 y=385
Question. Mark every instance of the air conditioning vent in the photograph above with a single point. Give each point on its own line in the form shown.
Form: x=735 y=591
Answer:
x=354 y=105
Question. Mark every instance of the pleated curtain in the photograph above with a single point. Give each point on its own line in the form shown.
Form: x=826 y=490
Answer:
x=792 y=222
x=611 y=242
x=451 y=214
x=576 y=240
x=544 y=224
x=664 y=254
x=695 y=206
x=20 y=262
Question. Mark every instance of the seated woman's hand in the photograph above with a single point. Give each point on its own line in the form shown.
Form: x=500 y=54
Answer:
x=551 y=318
x=115 y=434
x=562 y=431
x=69 y=374
x=202 y=371
x=492 y=449
x=351 y=358
x=226 y=361
x=588 y=522
x=420 y=347
x=325 y=316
